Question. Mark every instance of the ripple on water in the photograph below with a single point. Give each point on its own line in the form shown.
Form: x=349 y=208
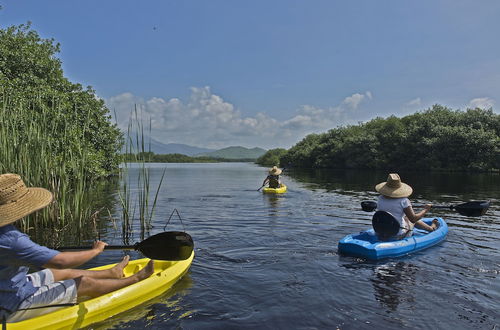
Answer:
x=271 y=261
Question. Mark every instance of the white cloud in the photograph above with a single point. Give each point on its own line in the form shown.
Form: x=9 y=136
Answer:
x=354 y=100
x=414 y=102
x=206 y=120
x=481 y=102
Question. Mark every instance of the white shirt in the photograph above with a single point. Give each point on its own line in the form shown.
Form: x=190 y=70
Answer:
x=395 y=206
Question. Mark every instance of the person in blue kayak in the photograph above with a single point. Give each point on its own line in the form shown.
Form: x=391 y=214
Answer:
x=273 y=179
x=24 y=295
x=394 y=200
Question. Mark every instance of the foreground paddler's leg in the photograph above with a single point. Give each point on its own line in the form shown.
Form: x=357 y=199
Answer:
x=94 y=287
x=111 y=273
x=422 y=225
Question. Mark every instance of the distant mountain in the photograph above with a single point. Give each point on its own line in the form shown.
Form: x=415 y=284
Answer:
x=235 y=153
x=176 y=148
x=170 y=148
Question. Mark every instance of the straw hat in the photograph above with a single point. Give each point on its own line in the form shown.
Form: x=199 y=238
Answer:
x=275 y=171
x=393 y=187
x=18 y=201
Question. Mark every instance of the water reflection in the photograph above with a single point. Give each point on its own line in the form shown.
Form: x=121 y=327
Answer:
x=170 y=305
x=336 y=180
x=391 y=282
x=273 y=200
x=431 y=183
x=238 y=284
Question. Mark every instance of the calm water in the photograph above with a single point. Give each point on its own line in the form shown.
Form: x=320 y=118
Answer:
x=271 y=262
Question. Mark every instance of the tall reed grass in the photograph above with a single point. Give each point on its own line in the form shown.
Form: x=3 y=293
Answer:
x=28 y=148
x=46 y=155
x=143 y=202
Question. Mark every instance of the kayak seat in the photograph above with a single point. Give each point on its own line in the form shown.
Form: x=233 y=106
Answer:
x=385 y=225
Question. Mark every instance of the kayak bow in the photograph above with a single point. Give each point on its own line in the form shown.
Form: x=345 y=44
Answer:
x=166 y=274
x=279 y=190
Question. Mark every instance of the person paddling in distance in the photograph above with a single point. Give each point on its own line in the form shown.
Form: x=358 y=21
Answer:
x=58 y=282
x=273 y=179
x=394 y=200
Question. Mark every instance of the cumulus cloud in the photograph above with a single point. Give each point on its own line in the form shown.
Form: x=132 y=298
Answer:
x=481 y=102
x=354 y=100
x=414 y=102
x=207 y=120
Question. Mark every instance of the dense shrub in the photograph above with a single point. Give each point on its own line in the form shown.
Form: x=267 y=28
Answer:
x=271 y=157
x=437 y=139
x=71 y=122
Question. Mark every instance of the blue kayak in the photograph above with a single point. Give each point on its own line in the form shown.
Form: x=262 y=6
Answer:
x=366 y=243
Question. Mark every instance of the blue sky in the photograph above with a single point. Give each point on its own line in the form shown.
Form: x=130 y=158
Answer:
x=266 y=73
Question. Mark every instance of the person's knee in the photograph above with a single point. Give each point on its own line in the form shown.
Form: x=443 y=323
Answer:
x=87 y=286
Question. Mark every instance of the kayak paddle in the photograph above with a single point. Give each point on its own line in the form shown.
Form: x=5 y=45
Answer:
x=469 y=209
x=168 y=245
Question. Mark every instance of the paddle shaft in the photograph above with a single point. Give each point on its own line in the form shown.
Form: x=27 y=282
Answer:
x=473 y=208
x=107 y=247
x=451 y=207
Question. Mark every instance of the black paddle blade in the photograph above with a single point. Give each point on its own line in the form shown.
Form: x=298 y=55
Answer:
x=473 y=209
x=368 y=206
x=169 y=245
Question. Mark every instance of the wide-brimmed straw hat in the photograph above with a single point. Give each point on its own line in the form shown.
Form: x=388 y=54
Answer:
x=275 y=171
x=393 y=187
x=18 y=201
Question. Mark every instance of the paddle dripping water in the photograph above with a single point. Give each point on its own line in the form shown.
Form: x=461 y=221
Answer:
x=271 y=261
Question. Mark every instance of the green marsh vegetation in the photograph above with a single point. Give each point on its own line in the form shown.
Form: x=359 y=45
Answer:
x=435 y=139
x=54 y=133
x=151 y=157
x=137 y=149
x=58 y=135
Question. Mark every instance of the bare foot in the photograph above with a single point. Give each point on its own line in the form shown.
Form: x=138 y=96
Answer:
x=435 y=224
x=146 y=271
x=117 y=270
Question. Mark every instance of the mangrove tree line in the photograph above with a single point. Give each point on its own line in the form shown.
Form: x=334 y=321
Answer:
x=436 y=139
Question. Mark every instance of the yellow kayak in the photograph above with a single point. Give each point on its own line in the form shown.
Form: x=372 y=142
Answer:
x=166 y=274
x=279 y=190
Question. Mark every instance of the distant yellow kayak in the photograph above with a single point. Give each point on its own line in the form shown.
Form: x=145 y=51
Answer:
x=279 y=190
x=166 y=274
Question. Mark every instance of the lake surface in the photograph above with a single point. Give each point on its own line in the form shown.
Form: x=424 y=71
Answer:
x=271 y=262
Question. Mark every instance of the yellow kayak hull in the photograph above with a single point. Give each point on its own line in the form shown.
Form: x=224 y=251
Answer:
x=166 y=274
x=279 y=190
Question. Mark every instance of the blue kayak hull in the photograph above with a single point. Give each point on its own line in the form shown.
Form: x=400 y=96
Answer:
x=366 y=243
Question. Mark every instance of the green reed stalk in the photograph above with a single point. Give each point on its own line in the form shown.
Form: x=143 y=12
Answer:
x=27 y=147
x=139 y=150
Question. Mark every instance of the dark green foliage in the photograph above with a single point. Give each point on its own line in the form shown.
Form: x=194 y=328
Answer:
x=73 y=119
x=438 y=139
x=151 y=157
x=271 y=157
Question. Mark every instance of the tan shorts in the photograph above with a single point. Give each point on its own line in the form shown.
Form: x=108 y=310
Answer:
x=407 y=230
x=48 y=293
